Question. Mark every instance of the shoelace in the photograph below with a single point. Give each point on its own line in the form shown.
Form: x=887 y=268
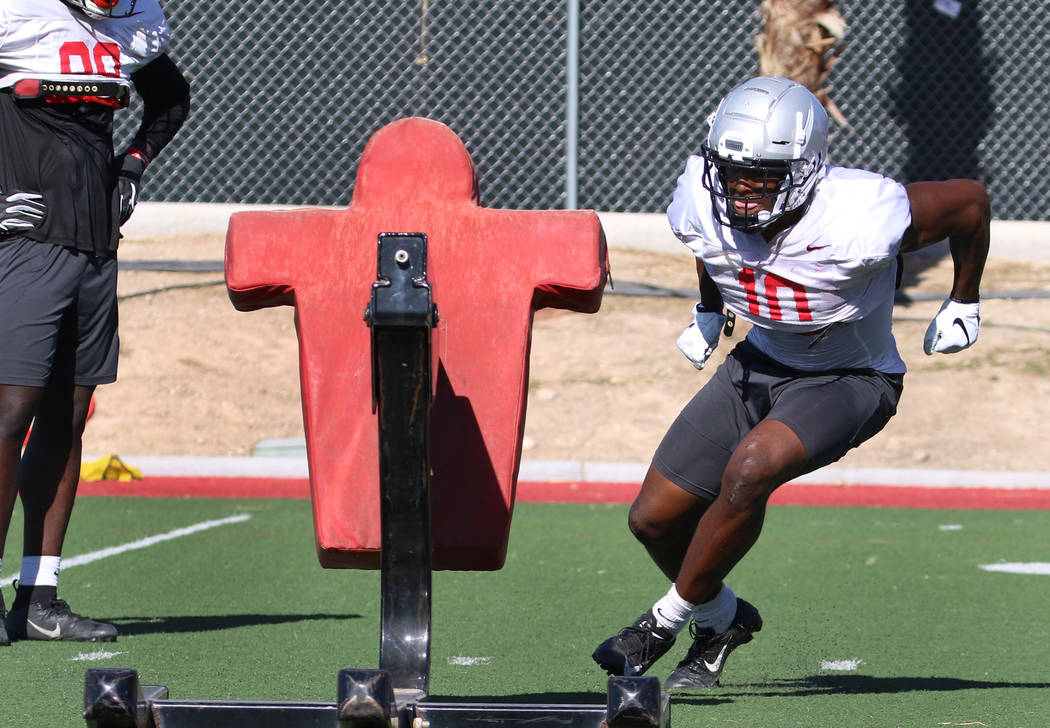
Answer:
x=60 y=606
x=697 y=648
x=635 y=629
x=641 y=633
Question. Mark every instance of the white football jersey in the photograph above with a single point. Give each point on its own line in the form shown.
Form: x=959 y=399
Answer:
x=47 y=39
x=819 y=294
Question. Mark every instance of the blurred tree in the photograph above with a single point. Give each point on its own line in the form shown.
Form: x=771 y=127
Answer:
x=802 y=40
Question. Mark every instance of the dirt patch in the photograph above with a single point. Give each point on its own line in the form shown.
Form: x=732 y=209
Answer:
x=200 y=378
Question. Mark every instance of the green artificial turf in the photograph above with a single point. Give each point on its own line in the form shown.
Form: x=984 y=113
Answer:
x=244 y=611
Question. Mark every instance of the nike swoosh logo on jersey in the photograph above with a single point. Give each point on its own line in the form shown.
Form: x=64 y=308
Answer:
x=717 y=664
x=51 y=634
x=811 y=248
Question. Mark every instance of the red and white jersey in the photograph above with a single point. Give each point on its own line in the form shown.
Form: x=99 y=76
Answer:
x=819 y=294
x=47 y=39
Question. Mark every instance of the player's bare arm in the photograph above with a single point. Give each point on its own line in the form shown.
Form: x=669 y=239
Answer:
x=958 y=210
x=165 y=95
x=710 y=296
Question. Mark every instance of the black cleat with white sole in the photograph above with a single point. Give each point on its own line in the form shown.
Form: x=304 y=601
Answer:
x=56 y=621
x=635 y=648
x=706 y=658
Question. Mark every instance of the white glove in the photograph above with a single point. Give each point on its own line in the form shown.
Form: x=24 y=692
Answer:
x=954 y=328
x=700 y=338
x=21 y=212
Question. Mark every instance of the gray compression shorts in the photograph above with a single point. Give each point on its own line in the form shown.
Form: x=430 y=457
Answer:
x=59 y=314
x=830 y=412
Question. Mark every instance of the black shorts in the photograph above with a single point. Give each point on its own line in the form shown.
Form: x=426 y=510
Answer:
x=59 y=314
x=830 y=412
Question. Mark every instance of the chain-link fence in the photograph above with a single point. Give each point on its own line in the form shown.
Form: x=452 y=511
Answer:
x=287 y=94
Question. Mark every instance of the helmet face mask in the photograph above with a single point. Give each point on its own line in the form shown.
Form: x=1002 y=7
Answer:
x=765 y=152
x=103 y=8
x=769 y=191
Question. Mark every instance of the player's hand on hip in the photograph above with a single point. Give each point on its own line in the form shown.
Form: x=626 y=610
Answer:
x=954 y=328
x=129 y=179
x=700 y=338
x=21 y=212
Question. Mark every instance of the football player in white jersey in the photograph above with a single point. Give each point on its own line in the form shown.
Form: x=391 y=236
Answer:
x=807 y=253
x=65 y=67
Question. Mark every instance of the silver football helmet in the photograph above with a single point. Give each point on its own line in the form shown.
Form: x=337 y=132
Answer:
x=771 y=130
x=103 y=8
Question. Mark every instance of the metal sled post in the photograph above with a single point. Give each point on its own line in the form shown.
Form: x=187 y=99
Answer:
x=402 y=314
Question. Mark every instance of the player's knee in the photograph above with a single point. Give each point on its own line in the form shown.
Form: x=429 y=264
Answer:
x=62 y=414
x=646 y=526
x=747 y=484
x=12 y=432
x=757 y=468
x=14 y=422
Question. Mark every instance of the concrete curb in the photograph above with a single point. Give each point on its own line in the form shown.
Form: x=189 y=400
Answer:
x=553 y=471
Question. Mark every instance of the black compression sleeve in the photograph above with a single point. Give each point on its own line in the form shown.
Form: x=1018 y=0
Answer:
x=165 y=96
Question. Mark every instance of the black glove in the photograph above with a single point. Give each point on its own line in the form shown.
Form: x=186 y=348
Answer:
x=132 y=165
x=20 y=212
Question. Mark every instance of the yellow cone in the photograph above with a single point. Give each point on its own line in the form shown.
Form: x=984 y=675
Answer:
x=109 y=467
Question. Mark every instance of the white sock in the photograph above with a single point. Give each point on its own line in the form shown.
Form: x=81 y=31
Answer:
x=718 y=613
x=39 y=571
x=672 y=612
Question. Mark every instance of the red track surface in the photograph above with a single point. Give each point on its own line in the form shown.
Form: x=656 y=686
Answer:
x=885 y=496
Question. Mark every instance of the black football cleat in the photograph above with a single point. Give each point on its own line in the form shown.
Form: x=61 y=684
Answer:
x=706 y=658
x=56 y=621
x=635 y=648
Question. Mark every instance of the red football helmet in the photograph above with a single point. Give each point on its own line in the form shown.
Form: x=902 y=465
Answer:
x=103 y=8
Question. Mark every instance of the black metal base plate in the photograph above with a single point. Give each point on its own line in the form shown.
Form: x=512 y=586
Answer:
x=114 y=699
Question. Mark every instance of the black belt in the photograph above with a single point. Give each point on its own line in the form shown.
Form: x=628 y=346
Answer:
x=109 y=93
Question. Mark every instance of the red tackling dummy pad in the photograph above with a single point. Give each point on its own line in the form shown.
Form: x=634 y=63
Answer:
x=489 y=270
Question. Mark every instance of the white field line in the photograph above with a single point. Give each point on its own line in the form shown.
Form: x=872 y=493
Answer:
x=95 y=656
x=142 y=543
x=841 y=665
x=1030 y=567
x=468 y=661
